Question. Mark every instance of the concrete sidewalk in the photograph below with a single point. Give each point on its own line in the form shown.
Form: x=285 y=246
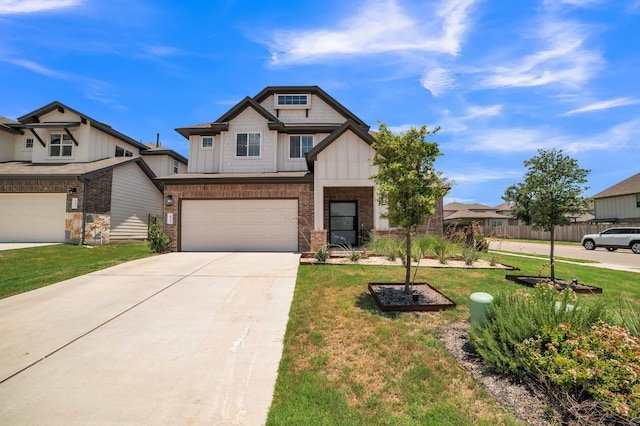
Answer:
x=182 y=338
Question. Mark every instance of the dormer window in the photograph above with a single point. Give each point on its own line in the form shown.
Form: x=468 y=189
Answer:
x=292 y=101
x=121 y=152
x=60 y=145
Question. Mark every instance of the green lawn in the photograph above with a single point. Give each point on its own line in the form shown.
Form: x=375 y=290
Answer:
x=345 y=362
x=31 y=268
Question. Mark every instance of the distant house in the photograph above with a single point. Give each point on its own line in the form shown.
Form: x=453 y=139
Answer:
x=284 y=170
x=66 y=177
x=456 y=214
x=619 y=203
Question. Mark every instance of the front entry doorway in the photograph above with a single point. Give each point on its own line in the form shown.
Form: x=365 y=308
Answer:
x=343 y=222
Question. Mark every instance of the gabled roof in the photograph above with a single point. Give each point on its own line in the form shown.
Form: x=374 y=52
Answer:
x=222 y=123
x=33 y=118
x=462 y=206
x=315 y=90
x=361 y=132
x=626 y=187
x=504 y=207
x=25 y=169
x=160 y=150
x=9 y=125
x=468 y=214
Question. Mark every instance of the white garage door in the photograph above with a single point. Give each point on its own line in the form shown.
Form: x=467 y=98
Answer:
x=239 y=225
x=32 y=218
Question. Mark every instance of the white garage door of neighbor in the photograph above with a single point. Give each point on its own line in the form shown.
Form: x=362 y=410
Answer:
x=32 y=218
x=239 y=225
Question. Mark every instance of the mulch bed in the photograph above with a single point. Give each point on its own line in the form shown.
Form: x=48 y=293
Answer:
x=531 y=281
x=391 y=297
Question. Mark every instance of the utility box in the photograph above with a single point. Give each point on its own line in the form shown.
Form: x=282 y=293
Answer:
x=479 y=305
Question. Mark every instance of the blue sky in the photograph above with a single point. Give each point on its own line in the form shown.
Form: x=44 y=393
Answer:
x=502 y=79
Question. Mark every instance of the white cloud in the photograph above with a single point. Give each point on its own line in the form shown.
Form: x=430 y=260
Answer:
x=597 y=106
x=159 y=50
x=437 y=81
x=563 y=60
x=33 y=6
x=474 y=112
x=381 y=26
x=512 y=140
x=37 y=68
x=482 y=174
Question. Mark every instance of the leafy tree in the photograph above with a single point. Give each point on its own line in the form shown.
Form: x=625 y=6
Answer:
x=407 y=181
x=550 y=193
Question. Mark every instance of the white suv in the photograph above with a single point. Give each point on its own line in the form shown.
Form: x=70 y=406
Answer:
x=614 y=238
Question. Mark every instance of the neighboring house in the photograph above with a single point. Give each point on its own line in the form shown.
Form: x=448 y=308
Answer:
x=463 y=214
x=619 y=203
x=65 y=177
x=286 y=170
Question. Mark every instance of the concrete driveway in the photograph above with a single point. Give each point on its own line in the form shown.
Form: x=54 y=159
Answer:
x=181 y=338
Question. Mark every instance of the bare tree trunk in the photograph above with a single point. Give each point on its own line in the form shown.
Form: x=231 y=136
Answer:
x=552 y=266
x=407 y=278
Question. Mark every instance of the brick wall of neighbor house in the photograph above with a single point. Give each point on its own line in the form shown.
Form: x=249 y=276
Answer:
x=99 y=192
x=302 y=191
x=364 y=198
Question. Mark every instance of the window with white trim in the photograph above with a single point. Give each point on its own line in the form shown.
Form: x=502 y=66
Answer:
x=207 y=142
x=60 y=145
x=248 y=145
x=299 y=145
x=28 y=143
x=176 y=166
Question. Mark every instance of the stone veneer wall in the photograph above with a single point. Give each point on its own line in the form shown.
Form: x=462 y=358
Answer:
x=302 y=191
x=362 y=195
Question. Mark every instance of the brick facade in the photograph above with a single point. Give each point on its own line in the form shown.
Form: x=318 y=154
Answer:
x=364 y=198
x=302 y=191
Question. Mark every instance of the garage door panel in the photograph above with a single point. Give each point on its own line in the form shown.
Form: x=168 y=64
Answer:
x=239 y=225
x=32 y=217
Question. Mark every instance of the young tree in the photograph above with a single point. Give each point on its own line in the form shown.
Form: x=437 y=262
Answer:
x=406 y=180
x=550 y=193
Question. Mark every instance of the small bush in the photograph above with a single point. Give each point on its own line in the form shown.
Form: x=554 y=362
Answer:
x=443 y=249
x=321 y=254
x=602 y=364
x=157 y=240
x=387 y=247
x=470 y=255
x=513 y=318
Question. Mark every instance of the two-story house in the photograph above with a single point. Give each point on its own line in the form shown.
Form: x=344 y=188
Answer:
x=287 y=169
x=66 y=177
x=619 y=203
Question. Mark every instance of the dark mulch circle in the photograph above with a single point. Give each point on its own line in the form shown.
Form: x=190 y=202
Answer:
x=392 y=297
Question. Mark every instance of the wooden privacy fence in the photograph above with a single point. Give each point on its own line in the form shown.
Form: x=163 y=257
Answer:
x=562 y=233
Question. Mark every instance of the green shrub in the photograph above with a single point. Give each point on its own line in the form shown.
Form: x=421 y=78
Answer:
x=513 y=318
x=443 y=249
x=387 y=247
x=157 y=240
x=603 y=364
x=321 y=254
x=470 y=255
x=628 y=317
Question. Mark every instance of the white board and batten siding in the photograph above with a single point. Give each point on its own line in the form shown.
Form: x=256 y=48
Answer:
x=239 y=225
x=133 y=198
x=346 y=162
x=32 y=218
x=620 y=207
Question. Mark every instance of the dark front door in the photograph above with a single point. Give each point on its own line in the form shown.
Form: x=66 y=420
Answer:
x=343 y=222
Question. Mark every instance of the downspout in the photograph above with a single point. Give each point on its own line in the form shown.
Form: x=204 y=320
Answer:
x=84 y=208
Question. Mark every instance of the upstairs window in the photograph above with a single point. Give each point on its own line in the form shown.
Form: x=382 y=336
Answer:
x=299 y=145
x=293 y=101
x=28 y=143
x=175 y=166
x=60 y=145
x=121 y=152
x=638 y=200
x=248 y=145
x=207 y=141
